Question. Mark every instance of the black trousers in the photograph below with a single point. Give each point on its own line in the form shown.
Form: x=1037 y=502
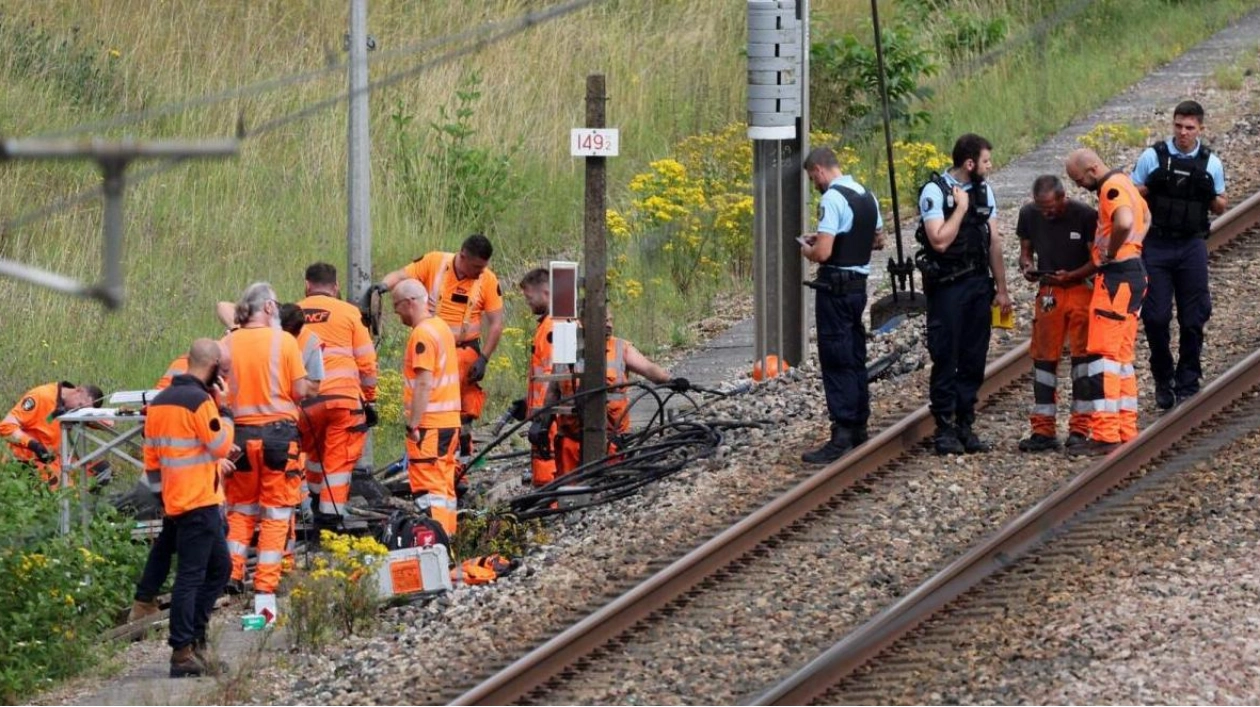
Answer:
x=958 y=326
x=842 y=355
x=1177 y=270
x=158 y=566
x=204 y=569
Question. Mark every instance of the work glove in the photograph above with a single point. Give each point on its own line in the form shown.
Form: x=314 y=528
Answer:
x=678 y=385
x=41 y=452
x=517 y=410
x=379 y=288
x=539 y=438
x=102 y=474
x=478 y=369
x=370 y=416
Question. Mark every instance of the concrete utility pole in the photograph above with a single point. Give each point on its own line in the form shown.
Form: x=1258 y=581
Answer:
x=113 y=159
x=359 y=175
x=778 y=124
x=594 y=416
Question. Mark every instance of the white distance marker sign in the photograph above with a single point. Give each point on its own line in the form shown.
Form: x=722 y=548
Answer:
x=594 y=142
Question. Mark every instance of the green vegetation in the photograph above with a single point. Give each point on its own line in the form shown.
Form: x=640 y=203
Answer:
x=478 y=143
x=495 y=531
x=57 y=593
x=338 y=596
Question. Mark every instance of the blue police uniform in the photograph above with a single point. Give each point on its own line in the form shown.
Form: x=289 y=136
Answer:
x=1180 y=187
x=850 y=214
x=959 y=291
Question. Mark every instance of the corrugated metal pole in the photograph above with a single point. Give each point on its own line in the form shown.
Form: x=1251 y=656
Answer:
x=777 y=125
x=359 y=174
x=594 y=304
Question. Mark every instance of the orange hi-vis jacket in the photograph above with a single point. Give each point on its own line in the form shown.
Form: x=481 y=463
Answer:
x=458 y=302
x=184 y=439
x=432 y=348
x=1114 y=191
x=615 y=377
x=265 y=364
x=178 y=367
x=349 y=356
x=34 y=417
x=539 y=366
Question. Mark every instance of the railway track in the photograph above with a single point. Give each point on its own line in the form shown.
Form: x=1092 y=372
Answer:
x=755 y=548
x=1029 y=632
x=1224 y=411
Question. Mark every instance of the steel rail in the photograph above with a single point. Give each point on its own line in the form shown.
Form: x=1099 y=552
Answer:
x=584 y=637
x=588 y=635
x=1034 y=526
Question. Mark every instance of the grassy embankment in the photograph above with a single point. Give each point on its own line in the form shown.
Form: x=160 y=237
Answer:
x=202 y=231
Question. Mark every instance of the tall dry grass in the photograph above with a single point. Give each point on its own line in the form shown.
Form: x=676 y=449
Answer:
x=204 y=230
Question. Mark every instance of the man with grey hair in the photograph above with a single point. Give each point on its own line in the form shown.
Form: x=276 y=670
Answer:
x=265 y=385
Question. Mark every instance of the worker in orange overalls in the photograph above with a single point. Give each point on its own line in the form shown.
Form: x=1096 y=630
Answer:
x=536 y=288
x=621 y=359
x=431 y=404
x=178 y=367
x=187 y=443
x=462 y=290
x=293 y=321
x=335 y=420
x=1060 y=231
x=265 y=385
x=162 y=551
x=1123 y=219
x=32 y=430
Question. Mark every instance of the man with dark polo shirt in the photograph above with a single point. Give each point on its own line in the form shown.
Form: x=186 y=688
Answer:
x=1059 y=231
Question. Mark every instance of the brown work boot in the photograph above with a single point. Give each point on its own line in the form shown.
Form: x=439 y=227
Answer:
x=140 y=609
x=212 y=663
x=184 y=663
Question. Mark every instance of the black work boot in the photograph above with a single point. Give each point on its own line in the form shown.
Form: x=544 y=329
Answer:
x=1037 y=442
x=970 y=442
x=946 y=440
x=1165 y=399
x=840 y=443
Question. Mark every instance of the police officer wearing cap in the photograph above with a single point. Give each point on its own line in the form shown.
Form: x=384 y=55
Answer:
x=848 y=226
x=1182 y=181
x=963 y=275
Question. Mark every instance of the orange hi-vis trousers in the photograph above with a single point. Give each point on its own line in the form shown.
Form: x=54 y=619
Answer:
x=544 y=470
x=1066 y=321
x=334 y=432
x=471 y=397
x=431 y=469
x=1111 y=382
x=262 y=493
x=568 y=454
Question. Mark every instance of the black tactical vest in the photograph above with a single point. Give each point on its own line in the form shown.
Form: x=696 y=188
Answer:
x=971 y=246
x=1179 y=192
x=854 y=246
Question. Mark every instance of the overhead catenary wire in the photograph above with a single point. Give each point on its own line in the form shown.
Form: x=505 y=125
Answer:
x=496 y=32
x=331 y=68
